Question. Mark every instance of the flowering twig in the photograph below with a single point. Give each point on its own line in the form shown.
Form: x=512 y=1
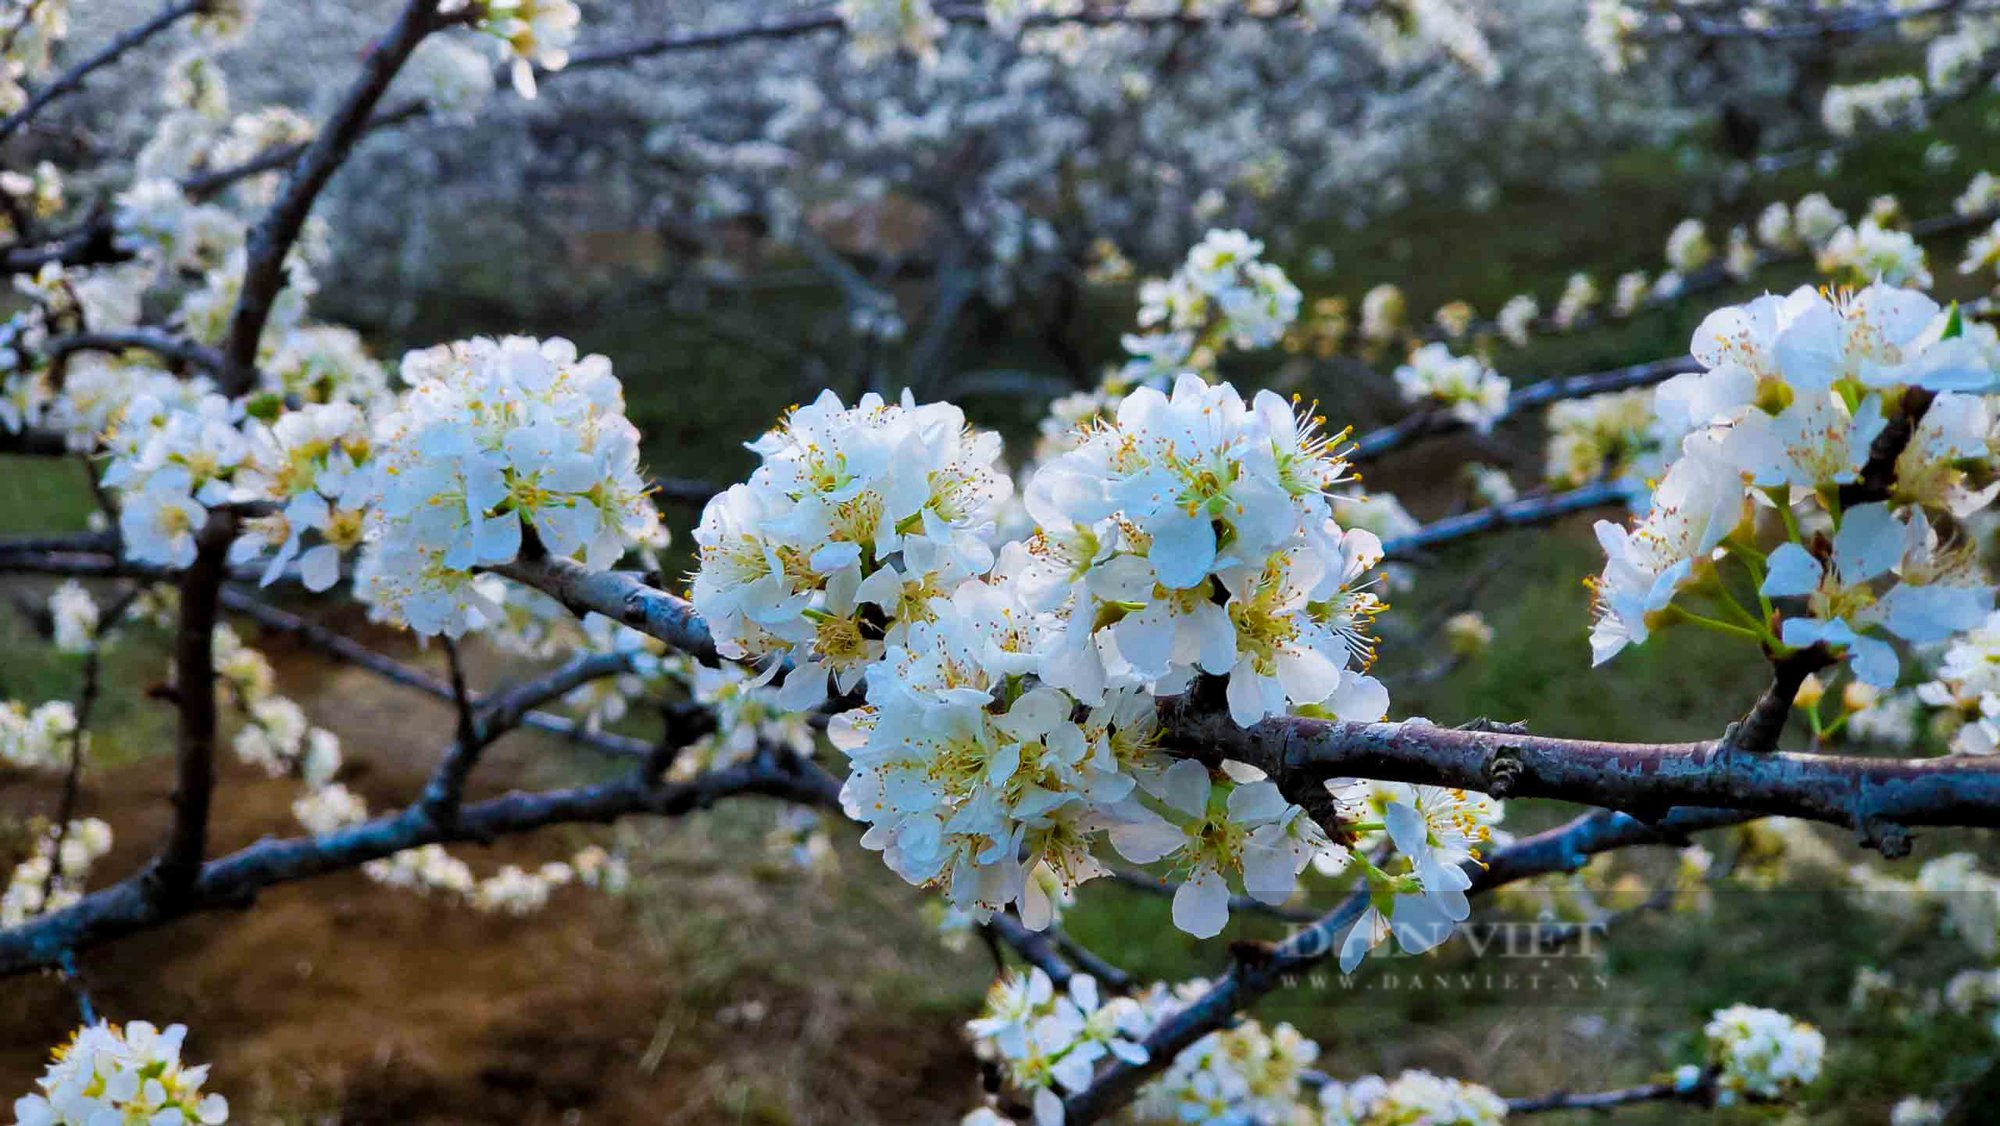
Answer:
x=829 y=19
x=1695 y=22
x=207 y=184
x=160 y=342
x=1424 y=423
x=72 y=77
x=231 y=880
x=272 y=238
x=1606 y=1100
x=86 y=706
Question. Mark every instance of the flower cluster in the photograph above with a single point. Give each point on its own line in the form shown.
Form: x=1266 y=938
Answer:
x=53 y=877
x=1614 y=436
x=329 y=808
x=1010 y=719
x=1914 y=1110
x=1048 y=1042
x=1224 y=294
x=1468 y=634
x=880 y=28
x=511 y=890
x=1896 y=100
x=73 y=615
x=134 y=1073
x=1420 y=897
x=857 y=518
x=1761 y=1054
x=1688 y=247
x=1966 y=687
x=533 y=34
x=1464 y=386
x=1243 y=1073
x=1784 y=421
x=39 y=739
x=496 y=441
x=1870 y=251
x=1415 y=1097
x=275 y=735
x=1193 y=534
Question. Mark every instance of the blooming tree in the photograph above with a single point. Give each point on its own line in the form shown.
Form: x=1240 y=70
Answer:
x=1150 y=642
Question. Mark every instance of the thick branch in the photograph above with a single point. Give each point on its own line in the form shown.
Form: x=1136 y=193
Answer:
x=1646 y=779
x=194 y=689
x=620 y=597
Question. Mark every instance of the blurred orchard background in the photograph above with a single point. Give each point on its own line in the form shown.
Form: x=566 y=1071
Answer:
x=743 y=219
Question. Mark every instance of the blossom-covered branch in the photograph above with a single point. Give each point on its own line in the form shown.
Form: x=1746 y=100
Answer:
x=72 y=77
x=270 y=241
x=1561 y=849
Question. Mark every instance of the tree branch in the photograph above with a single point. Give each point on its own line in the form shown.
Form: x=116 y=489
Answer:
x=86 y=707
x=1514 y=514
x=1645 y=779
x=233 y=880
x=343 y=648
x=191 y=352
x=271 y=240
x=1606 y=1100
x=194 y=687
x=1424 y=423
x=72 y=78
x=499 y=714
x=620 y=597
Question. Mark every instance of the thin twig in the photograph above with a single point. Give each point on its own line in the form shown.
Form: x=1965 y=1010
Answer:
x=86 y=706
x=72 y=78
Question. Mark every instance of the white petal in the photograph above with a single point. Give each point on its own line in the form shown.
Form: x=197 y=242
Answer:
x=1793 y=571
x=1201 y=906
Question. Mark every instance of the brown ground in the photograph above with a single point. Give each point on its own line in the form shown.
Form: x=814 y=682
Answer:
x=706 y=994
